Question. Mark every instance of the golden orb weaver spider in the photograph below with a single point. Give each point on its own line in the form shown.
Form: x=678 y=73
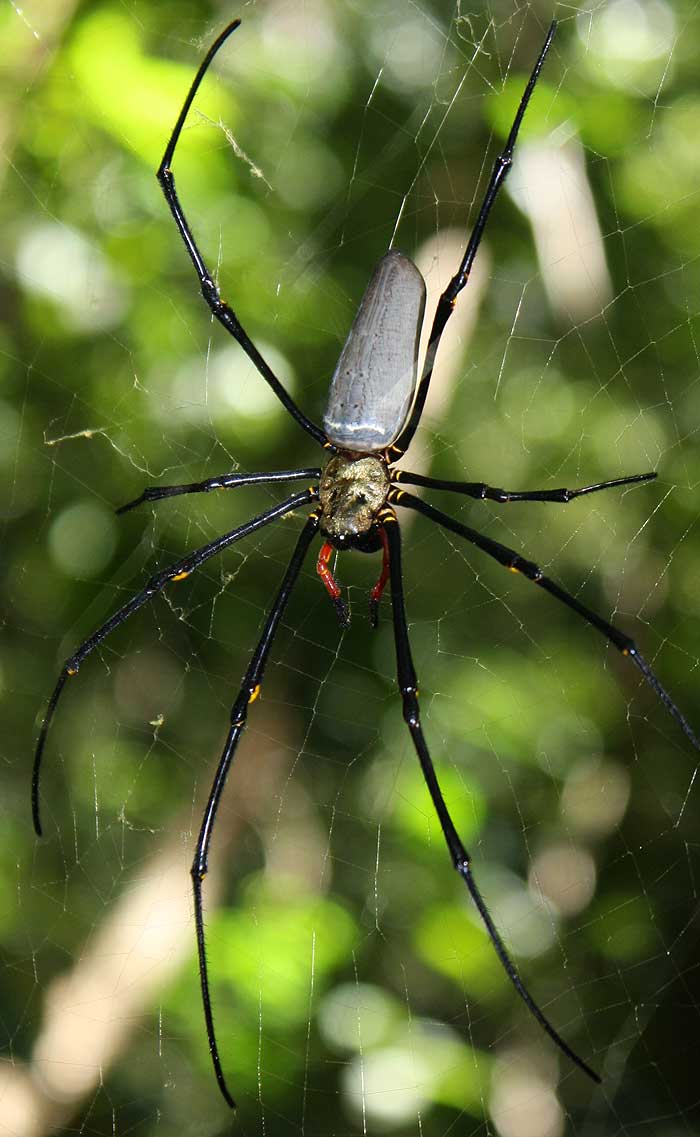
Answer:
x=375 y=403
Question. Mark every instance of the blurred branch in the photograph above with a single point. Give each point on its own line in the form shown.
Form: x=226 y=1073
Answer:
x=92 y=1012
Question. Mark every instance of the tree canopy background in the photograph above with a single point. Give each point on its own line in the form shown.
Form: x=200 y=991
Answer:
x=354 y=990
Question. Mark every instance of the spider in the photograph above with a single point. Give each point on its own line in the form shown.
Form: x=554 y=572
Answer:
x=375 y=403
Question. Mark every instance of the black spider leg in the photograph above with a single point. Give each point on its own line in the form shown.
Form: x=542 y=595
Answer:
x=221 y=482
x=447 y=301
x=220 y=309
x=250 y=689
x=408 y=685
x=483 y=492
x=177 y=571
x=513 y=561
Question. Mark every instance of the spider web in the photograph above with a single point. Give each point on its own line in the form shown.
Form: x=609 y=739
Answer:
x=354 y=989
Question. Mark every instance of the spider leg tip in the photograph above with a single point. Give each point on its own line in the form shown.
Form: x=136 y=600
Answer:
x=129 y=505
x=221 y=1083
x=588 y=1070
x=230 y=1102
x=342 y=611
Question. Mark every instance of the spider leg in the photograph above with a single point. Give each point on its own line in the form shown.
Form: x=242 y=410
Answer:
x=174 y=572
x=447 y=301
x=481 y=491
x=408 y=685
x=250 y=689
x=220 y=309
x=222 y=482
x=331 y=585
x=513 y=561
x=376 y=593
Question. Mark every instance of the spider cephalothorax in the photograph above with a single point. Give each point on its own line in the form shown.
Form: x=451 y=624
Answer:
x=352 y=490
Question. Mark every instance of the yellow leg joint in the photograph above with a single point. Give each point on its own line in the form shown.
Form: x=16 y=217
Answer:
x=254 y=694
x=179 y=576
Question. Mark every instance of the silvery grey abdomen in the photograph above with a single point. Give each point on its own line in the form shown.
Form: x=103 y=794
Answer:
x=372 y=389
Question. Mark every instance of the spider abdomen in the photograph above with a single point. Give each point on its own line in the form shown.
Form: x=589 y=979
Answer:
x=352 y=490
x=374 y=382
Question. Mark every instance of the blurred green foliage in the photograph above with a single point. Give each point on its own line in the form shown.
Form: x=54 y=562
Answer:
x=354 y=989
